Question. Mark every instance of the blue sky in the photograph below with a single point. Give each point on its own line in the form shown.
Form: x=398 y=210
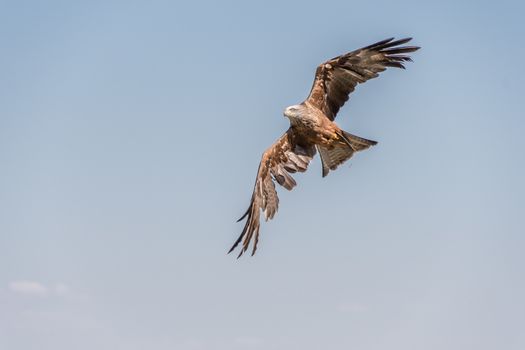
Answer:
x=130 y=135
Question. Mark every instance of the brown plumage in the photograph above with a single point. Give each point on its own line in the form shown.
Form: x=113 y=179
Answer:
x=337 y=78
x=312 y=128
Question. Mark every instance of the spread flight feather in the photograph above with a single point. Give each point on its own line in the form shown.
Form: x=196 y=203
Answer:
x=312 y=128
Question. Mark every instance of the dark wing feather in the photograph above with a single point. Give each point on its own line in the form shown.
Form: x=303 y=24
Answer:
x=337 y=78
x=289 y=154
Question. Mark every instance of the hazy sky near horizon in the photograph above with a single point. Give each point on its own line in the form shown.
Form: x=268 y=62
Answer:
x=130 y=135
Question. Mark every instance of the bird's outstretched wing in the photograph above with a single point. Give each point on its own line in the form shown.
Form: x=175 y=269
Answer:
x=337 y=78
x=288 y=154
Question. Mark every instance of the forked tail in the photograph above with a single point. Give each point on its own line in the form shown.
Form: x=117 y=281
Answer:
x=342 y=150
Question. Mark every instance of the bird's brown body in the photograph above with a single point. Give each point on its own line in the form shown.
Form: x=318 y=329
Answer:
x=315 y=127
x=312 y=129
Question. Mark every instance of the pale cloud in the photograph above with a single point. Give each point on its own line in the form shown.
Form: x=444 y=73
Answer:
x=31 y=288
x=37 y=289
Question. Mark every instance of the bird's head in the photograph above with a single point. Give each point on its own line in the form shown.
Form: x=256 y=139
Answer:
x=293 y=111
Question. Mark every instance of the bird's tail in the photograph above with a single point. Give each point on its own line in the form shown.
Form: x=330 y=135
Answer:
x=342 y=150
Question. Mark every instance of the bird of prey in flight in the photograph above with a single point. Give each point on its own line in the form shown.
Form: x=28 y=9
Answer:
x=312 y=129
